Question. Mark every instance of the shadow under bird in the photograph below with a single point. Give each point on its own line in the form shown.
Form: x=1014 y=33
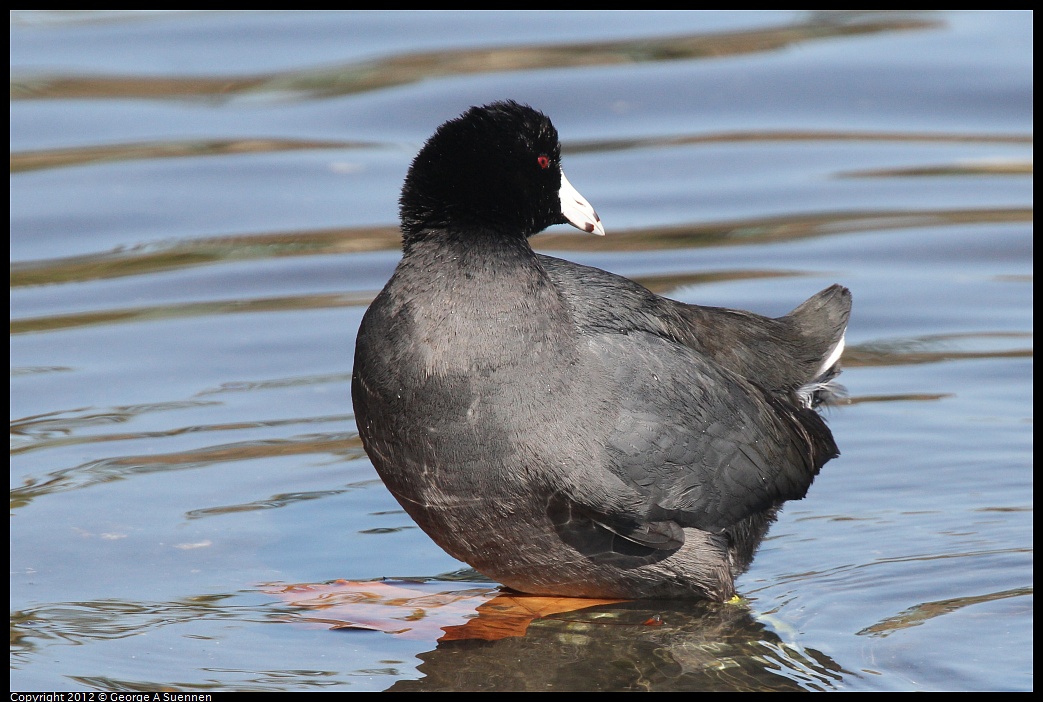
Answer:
x=560 y=428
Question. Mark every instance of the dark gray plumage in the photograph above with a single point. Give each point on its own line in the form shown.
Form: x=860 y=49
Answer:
x=562 y=429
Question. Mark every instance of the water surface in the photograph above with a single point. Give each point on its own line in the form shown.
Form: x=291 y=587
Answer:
x=203 y=204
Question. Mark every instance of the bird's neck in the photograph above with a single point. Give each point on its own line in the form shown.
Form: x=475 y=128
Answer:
x=496 y=268
x=486 y=299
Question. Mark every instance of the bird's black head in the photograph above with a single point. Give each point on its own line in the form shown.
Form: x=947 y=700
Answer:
x=495 y=170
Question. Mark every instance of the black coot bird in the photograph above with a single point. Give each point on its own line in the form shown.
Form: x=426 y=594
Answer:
x=562 y=429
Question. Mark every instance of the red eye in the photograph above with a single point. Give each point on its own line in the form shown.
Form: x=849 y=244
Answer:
x=543 y=161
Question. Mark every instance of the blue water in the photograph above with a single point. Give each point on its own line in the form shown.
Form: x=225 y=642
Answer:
x=203 y=203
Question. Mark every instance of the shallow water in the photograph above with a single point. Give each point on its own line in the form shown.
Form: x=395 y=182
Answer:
x=202 y=205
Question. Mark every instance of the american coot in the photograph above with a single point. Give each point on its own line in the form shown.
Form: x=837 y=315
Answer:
x=562 y=429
